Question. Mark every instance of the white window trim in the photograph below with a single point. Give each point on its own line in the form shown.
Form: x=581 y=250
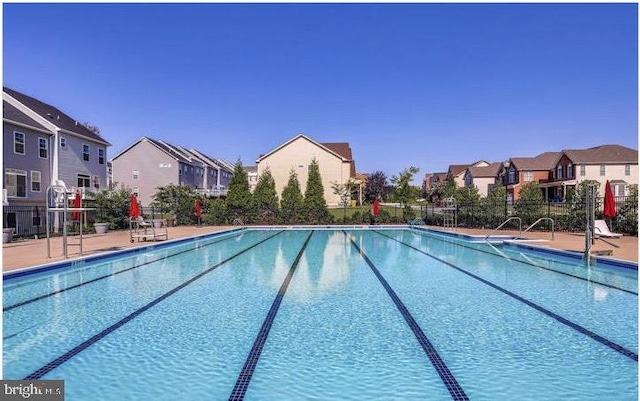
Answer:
x=39 y=180
x=88 y=152
x=46 y=147
x=24 y=144
x=15 y=172
x=103 y=157
x=63 y=142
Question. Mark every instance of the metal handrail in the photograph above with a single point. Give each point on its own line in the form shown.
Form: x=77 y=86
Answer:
x=505 y=222
x=538 y=221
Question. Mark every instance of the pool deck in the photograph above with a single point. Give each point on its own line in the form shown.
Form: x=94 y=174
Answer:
x=33 y=252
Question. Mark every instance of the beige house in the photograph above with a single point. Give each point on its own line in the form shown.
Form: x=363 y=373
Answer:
x=458 y=171
x=334 y=159
x=482 y=177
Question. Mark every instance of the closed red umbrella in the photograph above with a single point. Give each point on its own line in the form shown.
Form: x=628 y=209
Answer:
x=609 y=202
x=198 y=208
x=134 y=209
x=376 y=207
x=77 y=203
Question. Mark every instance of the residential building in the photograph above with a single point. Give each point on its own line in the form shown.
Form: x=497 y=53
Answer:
x=148 y=164
x=614 y=163
x=482 y=177
x=218 y=173
x=458 y=171
x=518 y=171
x=77 y=155
x=252 y=176
x=335 y=161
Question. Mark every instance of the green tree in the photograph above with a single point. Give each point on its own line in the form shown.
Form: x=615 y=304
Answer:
x=530 y=204
x=345 y=192
x=216 y=212
x=112 y=206
x=239 y=195
x=265 y=199
x=404 y=192
x=291 y=202
x=175 y=201
x=315 y=206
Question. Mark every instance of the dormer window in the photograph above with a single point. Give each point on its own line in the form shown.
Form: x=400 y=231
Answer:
x=569 y=170
x=559 y=173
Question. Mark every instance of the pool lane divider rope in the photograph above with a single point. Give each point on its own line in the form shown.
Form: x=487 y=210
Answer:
x=242 y=383
x=616 y=347
x=524 y=262
x=456 y=391
x=84 y=345
x=39 y=297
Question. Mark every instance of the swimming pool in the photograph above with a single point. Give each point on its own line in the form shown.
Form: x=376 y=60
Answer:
x=327 y=314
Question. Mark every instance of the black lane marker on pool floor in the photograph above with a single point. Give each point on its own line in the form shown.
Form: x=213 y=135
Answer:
x=242 y=383
x=456 y=391
x=616 y=347
x=525 y=262
x=81 y=347
x=93 y=280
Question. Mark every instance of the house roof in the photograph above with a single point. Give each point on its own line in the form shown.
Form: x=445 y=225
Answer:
x=542 y=162
x=12 y=114
x=607 y=154
x=489 y=171
x=216 y=163
x=55 y=116
x=341 y=150
x=457 y=169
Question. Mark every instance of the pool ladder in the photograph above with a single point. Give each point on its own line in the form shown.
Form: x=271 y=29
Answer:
x=505 y=222
x=520 y=226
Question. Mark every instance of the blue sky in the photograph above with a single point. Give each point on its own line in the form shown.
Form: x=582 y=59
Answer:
x=427 y=85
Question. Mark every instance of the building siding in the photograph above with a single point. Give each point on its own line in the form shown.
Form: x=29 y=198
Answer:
x=298 y=155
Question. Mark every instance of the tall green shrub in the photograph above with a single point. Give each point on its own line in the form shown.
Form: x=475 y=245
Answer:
x=112 y=204
x=176 y=200
x=238 y=200
x=315 y=206
x=530 y=205
x=291 y=205
x=265 y=199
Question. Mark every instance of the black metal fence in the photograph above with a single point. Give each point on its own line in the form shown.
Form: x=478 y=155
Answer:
x=29 y=221
x=567 y=216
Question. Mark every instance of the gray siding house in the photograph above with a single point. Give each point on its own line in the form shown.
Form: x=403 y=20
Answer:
x=78 y=156
x=149 y=163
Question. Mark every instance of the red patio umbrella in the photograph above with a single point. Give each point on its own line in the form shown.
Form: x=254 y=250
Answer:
x=77 y=203
x=609 y=203
x=376 y=207
x=198 y=208
x=134 y=210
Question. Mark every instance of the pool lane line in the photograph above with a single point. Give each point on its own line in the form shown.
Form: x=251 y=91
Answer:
x=40 y=297
x=37 y=374
x=583 y=330
x=525 y=262
x=242 y=383
x=455 y=390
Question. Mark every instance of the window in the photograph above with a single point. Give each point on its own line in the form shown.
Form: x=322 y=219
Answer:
x=135 y=174
x=63 y=142
x=43 y=146
x=136 y=191
x=627 y=169
x=559 y=173
x=512 y=176
x=36 y=179
x=100 y=156
x=84 y=181
x=528 y=176
x=96 y=181
x=602 y=170
x=85 y=152
x=618 y=189
x=16 y=183
x=569 y=170
x=18 y=143
x=583 y=171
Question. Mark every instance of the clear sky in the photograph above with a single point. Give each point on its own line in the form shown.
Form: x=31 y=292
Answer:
x=427 y=85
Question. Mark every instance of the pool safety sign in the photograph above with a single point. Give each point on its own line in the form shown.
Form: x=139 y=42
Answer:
x=32 y=390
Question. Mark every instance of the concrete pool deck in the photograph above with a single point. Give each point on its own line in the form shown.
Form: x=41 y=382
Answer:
x=33 y=252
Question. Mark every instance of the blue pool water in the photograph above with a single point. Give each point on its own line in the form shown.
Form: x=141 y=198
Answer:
x=324 y=314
